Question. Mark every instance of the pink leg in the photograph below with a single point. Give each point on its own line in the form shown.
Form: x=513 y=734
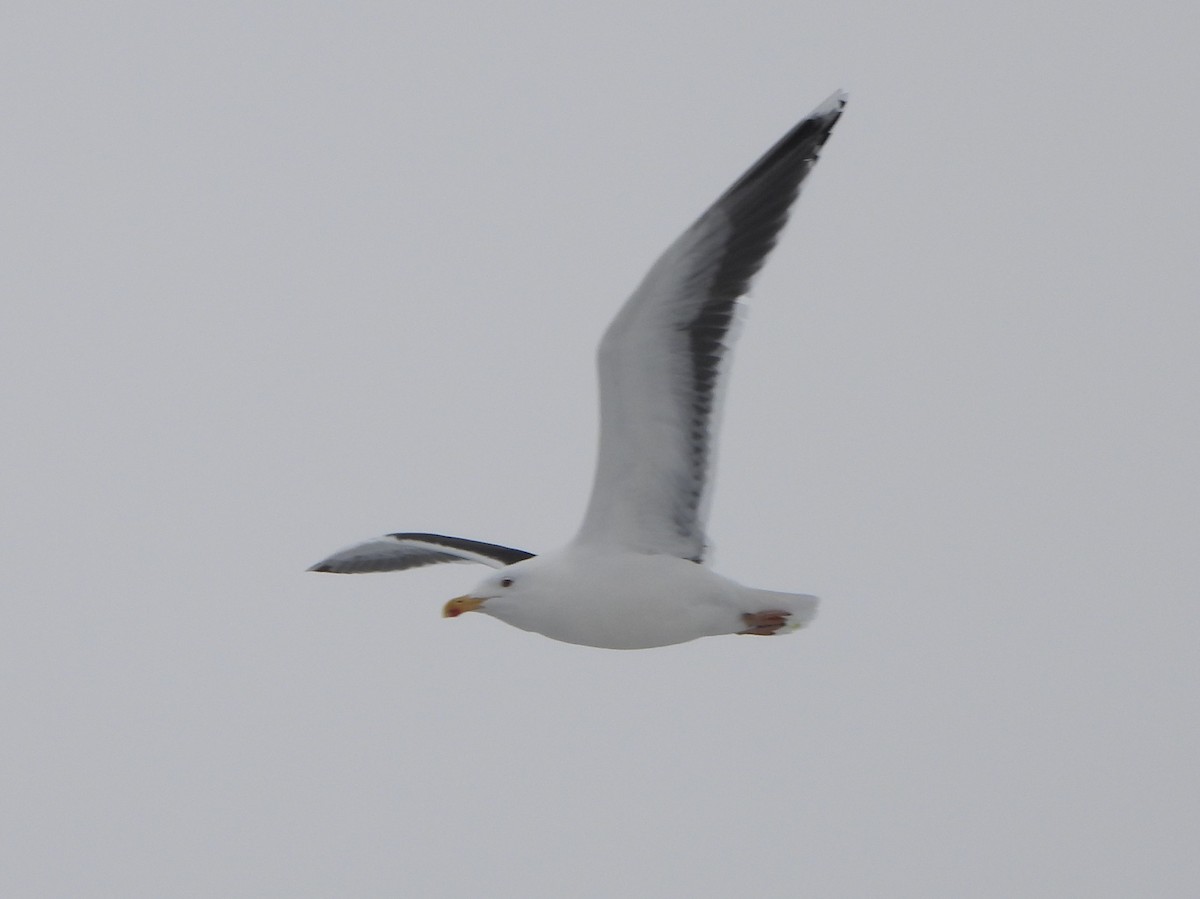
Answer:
x=764 y=624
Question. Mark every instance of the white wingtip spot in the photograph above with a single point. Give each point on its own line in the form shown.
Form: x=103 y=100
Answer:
x=835 y=102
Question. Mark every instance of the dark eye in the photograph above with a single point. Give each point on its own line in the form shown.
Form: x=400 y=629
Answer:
x=506 y=582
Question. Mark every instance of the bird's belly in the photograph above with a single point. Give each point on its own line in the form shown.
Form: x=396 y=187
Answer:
x=628 y=622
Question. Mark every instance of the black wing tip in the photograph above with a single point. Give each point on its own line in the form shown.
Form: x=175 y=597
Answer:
x=824 y=117
x=827 y=114
x=783 y=167
x=328 y=569
x=814 y=129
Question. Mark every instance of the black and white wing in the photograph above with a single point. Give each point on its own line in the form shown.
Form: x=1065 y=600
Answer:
x=396 y=552
x=661 y=358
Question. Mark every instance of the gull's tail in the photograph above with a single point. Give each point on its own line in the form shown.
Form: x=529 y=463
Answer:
x=801 y=607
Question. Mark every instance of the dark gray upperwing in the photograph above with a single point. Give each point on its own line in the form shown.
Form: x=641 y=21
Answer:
x=397 y=552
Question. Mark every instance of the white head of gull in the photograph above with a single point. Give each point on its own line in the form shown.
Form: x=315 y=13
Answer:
x=634 y=575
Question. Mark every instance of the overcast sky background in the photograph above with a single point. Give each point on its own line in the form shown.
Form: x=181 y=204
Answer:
x=281 y=276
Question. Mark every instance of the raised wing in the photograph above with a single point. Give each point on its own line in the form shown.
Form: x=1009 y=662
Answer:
x=396 y=552
x=660 y=360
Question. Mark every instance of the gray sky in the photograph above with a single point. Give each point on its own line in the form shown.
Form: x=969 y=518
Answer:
x=283 y=276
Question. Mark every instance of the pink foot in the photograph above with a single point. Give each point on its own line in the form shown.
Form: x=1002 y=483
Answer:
x=764 y=624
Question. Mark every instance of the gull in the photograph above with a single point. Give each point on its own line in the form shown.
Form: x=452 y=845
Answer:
x=634 y=576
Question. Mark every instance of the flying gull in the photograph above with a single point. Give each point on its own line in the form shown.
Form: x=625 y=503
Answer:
x=634 y=576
